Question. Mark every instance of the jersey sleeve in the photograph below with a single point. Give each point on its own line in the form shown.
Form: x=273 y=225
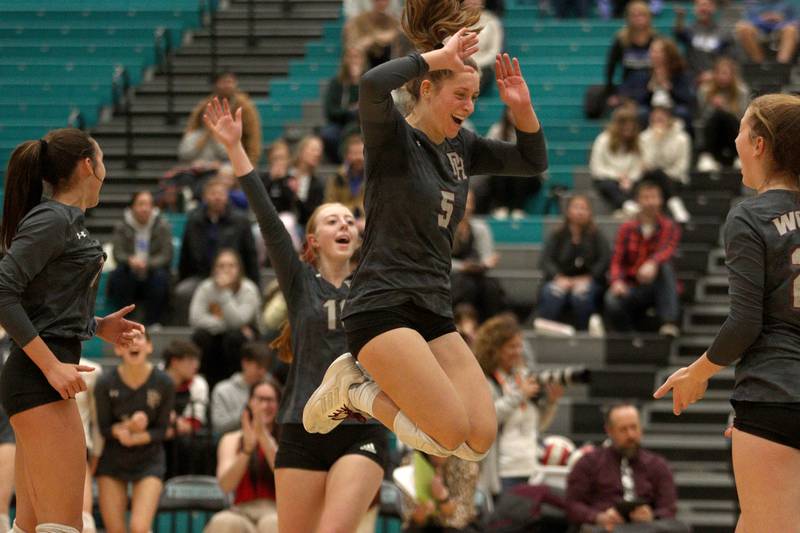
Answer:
x=282 y=255
x=380 y=119
x=744 y=252
x=527 y=157
x=40 y=238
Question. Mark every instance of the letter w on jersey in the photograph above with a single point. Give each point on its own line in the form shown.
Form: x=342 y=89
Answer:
x=458 y=165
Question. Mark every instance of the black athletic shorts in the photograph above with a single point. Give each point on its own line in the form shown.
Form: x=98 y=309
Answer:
x=6 y=431
x=23 y=386
x=363 y=327
x=313 y=451
x=776 y=422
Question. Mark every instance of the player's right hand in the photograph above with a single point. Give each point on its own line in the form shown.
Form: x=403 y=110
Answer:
x=66 y=379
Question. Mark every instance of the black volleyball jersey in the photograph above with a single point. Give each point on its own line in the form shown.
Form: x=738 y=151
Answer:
x=762 y=249
x=49 y=276
x=314 y=306
x=416 y=194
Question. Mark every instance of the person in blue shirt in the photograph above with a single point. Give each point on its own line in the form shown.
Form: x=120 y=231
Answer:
x=768 y=20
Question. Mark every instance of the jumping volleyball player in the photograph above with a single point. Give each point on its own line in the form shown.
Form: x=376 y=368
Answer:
x=48 y=283
x=428 y=386
x=762 y=331
x=324 y=482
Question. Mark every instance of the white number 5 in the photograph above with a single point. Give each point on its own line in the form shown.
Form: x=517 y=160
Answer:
x=448 y=199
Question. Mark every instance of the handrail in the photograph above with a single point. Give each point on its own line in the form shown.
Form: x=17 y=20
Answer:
x=121 y=93
x=164 y=56
x=251 y=23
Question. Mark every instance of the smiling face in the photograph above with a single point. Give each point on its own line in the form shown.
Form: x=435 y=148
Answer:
x=311 y=153
x=334 y=236
x=142 y=207
x=509 y=355
x=638 y=16
x=137 y=352
x=704 y=10
x=451 y=101
x=264 y=404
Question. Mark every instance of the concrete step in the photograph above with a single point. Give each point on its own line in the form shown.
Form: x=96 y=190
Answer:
x=704 y=318
x=712 y=289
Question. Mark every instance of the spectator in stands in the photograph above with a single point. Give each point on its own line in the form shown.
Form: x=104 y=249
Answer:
x=472 y=258
x=524 y=407
x=377 y=32
x=622 y=487
x=721 y=102
x=229 y=396
x=309 y=188
x=347 y=185
x=705 y=41
x=669 y=80
x=185 y=447
x=641 y=272
x=142 y=243
x=277 y=182
x=491 y=42
x=631 y=50
x=197 y=142
x=450 y=507
x=509 y=194
x=666 y=154
x=571 y=8
x=768 y=21
x=574 y=262
x=87 y=407
x=210 y=227
x=341 y=103
x=223 y=314
x=246 y=463
x=353 y=8
x=616 y=160
x=134 y=402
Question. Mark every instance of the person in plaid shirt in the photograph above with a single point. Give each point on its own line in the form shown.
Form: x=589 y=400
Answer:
x=641 y=273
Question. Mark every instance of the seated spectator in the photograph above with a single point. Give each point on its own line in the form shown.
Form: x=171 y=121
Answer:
x=631 y=50
x=186 y=442
x=721 y=101
x=223 y=314
x=353 y=8
x=347 y=185
x=87 y=408
x=623 y=487
x=210 y=227
x=246 y=466
x=133 y=402
x=377 y=32
x=509 y=194
x=616 y=160
x=524 y=407
x=666 y=154
x=229 y=396
x=768 y=21
x=143 y=252
x=341 y=104
x=450 y=483
x=472 y=258
x=236 y=196
x=491 y=42
x=574 y=262
x=705 y=41
x=309 y=188
x=277 y=182
x=571 y=8
x=198 y=144
x=670 y=81
x=641 y=273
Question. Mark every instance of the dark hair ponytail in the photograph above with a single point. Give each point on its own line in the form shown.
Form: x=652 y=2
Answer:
x=52 y=160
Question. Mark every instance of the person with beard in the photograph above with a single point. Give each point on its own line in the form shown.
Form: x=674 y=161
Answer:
x=621 y=487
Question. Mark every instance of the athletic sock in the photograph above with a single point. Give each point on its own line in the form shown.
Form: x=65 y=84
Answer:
x=5 y=523
x=362 y=396
x=468 y=454
x=16 y=529
x=409 y=433
x=89 y=525
x=51 y=527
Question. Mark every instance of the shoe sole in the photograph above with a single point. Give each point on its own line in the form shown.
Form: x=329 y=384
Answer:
x=328 y=397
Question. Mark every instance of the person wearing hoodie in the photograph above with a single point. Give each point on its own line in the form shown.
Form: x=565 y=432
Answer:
x=143 y=252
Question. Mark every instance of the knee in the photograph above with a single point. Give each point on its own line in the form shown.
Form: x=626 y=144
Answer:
x=224 y=522
x=613 y=302
x=140 y=527
x=789 y=31
x=456 y=432
x=268 y=523
x=483 y=435
x=745 y=29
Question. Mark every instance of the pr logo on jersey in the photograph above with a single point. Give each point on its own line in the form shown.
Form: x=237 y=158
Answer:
x=153 y=398
x=457 y=164
x=82 y=234
x=369 y=448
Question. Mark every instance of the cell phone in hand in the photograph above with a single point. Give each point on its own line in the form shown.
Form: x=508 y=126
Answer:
x=626 y=507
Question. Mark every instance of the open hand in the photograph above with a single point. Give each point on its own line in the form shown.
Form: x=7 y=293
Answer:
x=458 y=48
x=510 y=83
x=223 y=125
x=118 y=330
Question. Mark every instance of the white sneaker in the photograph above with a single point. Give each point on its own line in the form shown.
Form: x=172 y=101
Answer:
x=501 y=213
x=330 y=404
x=596 y=328
x=518 y=214
x=669 y=330
x=707 y=163
x=678 y=210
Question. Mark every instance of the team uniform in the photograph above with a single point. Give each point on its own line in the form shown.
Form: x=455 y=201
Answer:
x=117 y=402
x=48 y=284
x=314 y=307
x=416 y=195
x=762 y=331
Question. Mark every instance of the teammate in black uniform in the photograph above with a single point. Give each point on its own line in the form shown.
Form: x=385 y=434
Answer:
x=324 y=482
x=398 y=316
x=48 y=283
x=762 y=331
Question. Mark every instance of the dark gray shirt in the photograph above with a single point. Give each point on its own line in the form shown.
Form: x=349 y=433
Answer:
x=314 y=306
x=416 y=194
x=49 y=276
x=762 y=248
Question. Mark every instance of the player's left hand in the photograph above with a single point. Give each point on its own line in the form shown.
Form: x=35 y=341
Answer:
x=118 y=330
x=510 y=83
x=686 y=389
